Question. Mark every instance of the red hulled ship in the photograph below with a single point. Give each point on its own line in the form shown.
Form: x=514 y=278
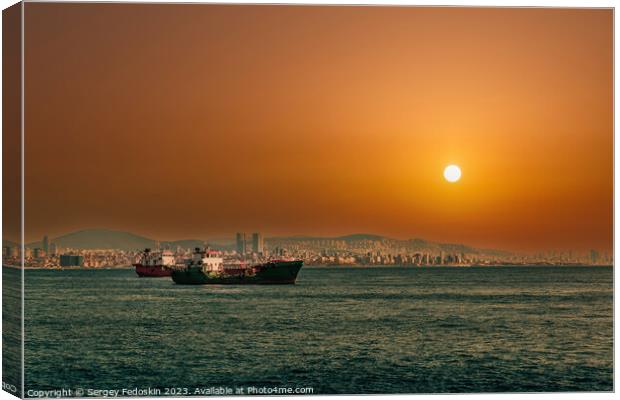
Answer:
x=155 y=264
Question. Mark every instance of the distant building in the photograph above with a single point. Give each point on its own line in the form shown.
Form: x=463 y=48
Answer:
x=14 y=252
x=53 y=249
x=68 y=260
x=593 y=256
x=46 y=244
x=258 y=244
x=38 y=253
x=241 y=243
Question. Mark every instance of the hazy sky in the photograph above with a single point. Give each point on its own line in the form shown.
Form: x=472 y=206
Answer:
x=190 y=121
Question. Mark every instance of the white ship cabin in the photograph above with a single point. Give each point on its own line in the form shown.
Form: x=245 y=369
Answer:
x=158 y=258
x=211 y=261
x=167 y=258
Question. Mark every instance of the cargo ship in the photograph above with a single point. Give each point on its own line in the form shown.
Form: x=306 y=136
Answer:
x=155 y=264
x=208 y=267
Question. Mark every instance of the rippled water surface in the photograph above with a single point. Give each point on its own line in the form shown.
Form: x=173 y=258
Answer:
x=353 y=330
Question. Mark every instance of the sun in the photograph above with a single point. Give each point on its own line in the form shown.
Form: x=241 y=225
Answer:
x=452 y=173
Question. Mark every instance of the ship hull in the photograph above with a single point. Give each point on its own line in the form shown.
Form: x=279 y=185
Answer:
x=272 y=273
x=152 y=271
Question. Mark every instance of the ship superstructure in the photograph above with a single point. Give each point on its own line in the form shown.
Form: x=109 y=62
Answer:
x=155 y=264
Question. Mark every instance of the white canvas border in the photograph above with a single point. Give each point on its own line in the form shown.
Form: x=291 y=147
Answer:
x=474 y=3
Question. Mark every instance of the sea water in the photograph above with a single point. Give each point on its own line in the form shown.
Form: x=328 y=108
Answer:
x=338 y=330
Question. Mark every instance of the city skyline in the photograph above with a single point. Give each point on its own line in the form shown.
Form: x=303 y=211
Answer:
x=254 y=242
x=322 y=121
x=107 y=251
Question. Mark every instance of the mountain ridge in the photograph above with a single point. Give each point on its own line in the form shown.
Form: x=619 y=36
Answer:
x=109 y=239
x=101 y=238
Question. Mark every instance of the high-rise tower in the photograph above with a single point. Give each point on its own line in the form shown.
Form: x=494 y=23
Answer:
x=258 y=245
x=241 y=243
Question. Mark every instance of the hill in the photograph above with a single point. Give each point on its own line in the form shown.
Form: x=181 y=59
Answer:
x=111 y=239
x=348 y=238
x=417 y=245
x=100 y=239
x=8 y=243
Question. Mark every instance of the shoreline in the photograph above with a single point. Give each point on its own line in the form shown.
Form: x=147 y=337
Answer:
x=319 y=266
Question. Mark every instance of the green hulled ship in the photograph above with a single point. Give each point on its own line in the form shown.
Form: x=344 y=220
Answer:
x=208 y=267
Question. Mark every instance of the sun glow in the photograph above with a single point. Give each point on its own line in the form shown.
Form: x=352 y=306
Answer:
x=452 y=173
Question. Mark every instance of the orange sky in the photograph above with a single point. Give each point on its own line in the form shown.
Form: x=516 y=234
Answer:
x=194 y=121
